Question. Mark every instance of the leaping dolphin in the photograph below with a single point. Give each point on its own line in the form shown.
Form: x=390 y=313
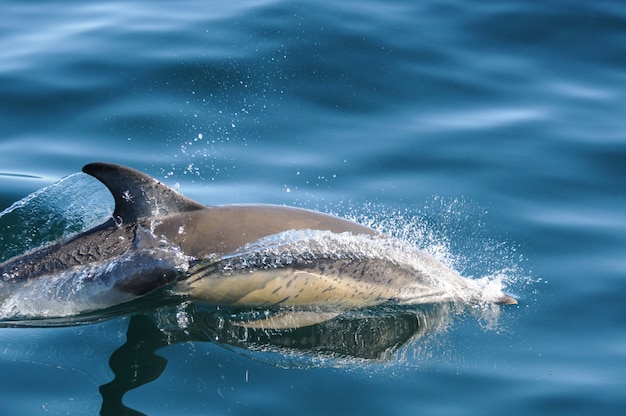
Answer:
x=243 y=255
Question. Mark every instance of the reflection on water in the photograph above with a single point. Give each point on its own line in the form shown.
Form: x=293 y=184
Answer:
x=135 y=363
x=352 y=338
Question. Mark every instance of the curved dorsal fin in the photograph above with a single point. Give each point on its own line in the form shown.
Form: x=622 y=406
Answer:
x=138 y=195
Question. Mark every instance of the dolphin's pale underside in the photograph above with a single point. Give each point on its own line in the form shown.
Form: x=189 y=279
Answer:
x=236 y=255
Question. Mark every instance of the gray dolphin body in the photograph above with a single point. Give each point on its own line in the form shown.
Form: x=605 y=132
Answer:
x=158 y=237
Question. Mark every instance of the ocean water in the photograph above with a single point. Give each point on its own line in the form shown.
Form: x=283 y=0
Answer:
x=492 y=134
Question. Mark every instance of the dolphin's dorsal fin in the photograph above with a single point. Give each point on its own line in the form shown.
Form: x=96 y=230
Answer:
x=138 y=195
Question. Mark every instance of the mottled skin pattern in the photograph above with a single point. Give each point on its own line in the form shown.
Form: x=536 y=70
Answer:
x=105 y=242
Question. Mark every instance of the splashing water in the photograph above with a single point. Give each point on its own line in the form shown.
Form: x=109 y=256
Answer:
x=69 y=206
x=454 y=232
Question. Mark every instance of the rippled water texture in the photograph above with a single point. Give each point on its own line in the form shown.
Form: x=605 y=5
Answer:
x=490 y=135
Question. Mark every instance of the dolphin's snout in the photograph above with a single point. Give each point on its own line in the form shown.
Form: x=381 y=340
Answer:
x=506 y=300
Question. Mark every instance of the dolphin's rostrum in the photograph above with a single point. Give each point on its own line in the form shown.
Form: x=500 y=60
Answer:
x=241 y=255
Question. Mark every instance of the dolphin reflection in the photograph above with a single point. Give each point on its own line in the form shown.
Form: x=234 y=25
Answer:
x=353 y=338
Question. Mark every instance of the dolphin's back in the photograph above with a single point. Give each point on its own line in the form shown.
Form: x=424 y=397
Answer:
x=202 y=231
x=218 y=230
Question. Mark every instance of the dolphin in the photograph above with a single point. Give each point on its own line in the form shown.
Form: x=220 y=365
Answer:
x=234 y=255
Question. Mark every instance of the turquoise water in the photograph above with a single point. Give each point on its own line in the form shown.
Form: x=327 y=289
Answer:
x=493 y=132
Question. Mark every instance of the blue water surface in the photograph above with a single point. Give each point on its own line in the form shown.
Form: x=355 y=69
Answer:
x=495 y=130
